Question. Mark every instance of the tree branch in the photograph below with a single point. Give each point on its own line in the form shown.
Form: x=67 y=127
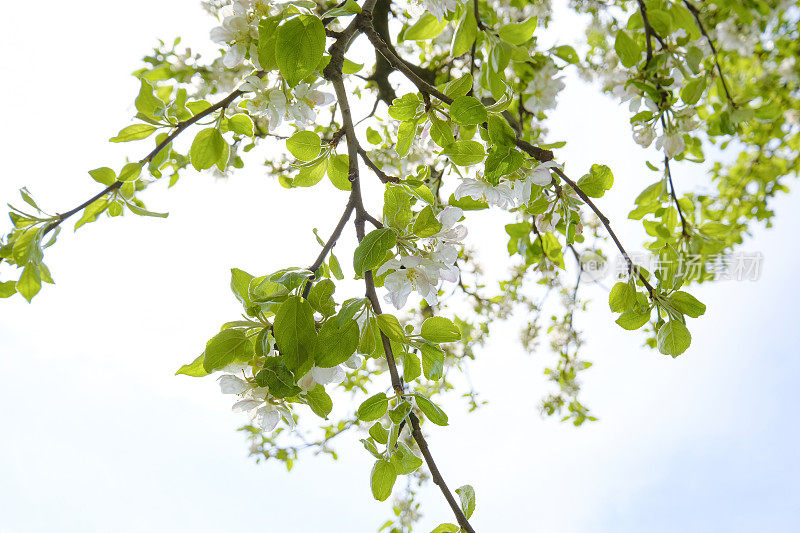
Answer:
x=225 y=102
x=383 y=176
x=426 y=88
x=337 y=232
x=333 y=72
x=696 y=14
x=632 y=268
x=684 y=225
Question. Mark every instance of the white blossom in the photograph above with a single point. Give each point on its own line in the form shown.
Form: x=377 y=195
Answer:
x=440 y=8
x=265 y=102
x=411 y=273
x=543 y=89
x=672 y=144
x=236 y=31
x=501 y=195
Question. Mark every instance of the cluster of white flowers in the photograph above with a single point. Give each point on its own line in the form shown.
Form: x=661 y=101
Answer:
x=272 y=102
x=671 y=140
x=266 y=411
x=508 y=193
x=239 y=30
x=435 y=262
x=253 y=400
x=437 y=8
x=541 y=93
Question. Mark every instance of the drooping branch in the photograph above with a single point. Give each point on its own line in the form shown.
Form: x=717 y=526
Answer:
x=632 y=268
x=696 y=14
x=329 y=244
x=178 y=129
x=427 y=89
x=333 y=72
x=383 y=176
x=668 y=172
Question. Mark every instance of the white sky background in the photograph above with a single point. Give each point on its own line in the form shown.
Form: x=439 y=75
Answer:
x=96 y=434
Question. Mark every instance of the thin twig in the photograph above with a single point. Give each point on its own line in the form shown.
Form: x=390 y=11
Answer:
x=383 y=176
x=696 y=14
x=333 y=72
x=632 y=267
x=225 y=102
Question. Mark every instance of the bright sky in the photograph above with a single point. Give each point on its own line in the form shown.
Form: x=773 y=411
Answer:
x=97 y=434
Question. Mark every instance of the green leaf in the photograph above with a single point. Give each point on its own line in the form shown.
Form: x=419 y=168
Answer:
x=304 y=145
x=373 y=136
x=299 y=47
x=440 y=329
x=426 y=224
x=459 y=86
x=467 y=110
x=207 y=148
x=432 y=411
x=396 y=206
x=465 y=153
x=240 y=285
x=427 y=27
x=441 y=132
x=382 y=479
x=294 y=331
x=391 y=327
x=373 y=407
x=372 y=249
x=146 y=102
x=432 y=361
x=311 y=175
x=133 y=132
x=92 y=211
x=321 y=297
x=500 y=132
x=103 y=175
x=518 y=32
x=349 y=67
x=465 y=33
x=278 y=378
x=661 y=21
x=130 y=172
x=567 y=53
x=405 y=108
x=411 y=367
x=7 y=288
x=267 y=37
x=405 y=136
x=339 y=171
x=446 y=528
x=194 y=369
x=379 y=433
x=30 y=282
x=693 y=90
x=467 y=496
x=138 y=210
x=633 y=319
x=627 y=49
x=226 y=347
x=622 y=297
x=319 y=401
x=241 y=124
x=673 y=338
x=349 y=8
x=597 y=182
x=399 y=413
x=336 y=344
x=404 y=460
x=687 y=304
